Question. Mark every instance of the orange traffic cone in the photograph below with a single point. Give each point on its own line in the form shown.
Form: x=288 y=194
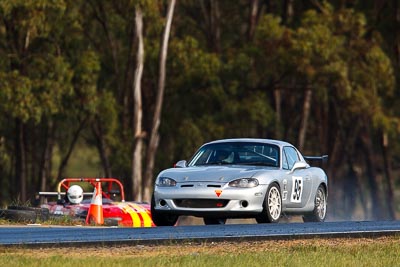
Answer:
x=95 y=212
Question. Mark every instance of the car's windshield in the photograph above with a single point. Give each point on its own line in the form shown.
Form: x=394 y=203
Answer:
x=243 y=153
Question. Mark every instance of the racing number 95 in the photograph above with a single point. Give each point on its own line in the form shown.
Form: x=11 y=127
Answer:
x=297 y=189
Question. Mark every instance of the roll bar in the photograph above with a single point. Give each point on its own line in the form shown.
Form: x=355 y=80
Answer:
x=65 y=183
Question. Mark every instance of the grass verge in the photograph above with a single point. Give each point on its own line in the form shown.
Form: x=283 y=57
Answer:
x=382 y=251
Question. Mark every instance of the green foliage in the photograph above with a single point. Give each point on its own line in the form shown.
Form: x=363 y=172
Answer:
x=51 y=82
x=318 y=55
x=270 y=52
x=200 y=68
x=67 y=71
x=16 y=96
x=85 y=81
x=34 y=78
x=35 y=17
x=331 y=52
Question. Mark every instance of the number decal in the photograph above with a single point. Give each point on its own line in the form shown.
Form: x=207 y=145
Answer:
x=297 y=189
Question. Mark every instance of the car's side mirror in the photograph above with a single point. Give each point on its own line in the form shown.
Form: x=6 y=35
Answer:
x=180 y=164
x=299 y=165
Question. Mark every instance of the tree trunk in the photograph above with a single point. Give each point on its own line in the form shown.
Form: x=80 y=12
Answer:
x=278 y=113
x=100 y=14
x=335 y=150
x=253 y=19
x=350 y=189
x=361 y=188
x=154 y=137
x=65 y=160
x=138 y=112
x=389 y=177
x=212 y=28
x=373 y=181
x=215 y=28
x=396 y=35
x=271 y=6
x=287 y=13
x=335 y=175
x=45 y=169
x=379 y=6
x=101 y=147
x=20 y=161
x=304 y=120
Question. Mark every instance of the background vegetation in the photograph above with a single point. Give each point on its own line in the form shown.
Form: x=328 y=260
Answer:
x=322 y=75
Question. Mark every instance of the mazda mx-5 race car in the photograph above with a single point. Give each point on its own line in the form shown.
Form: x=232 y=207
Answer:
x=241 y=178
x=72 y=201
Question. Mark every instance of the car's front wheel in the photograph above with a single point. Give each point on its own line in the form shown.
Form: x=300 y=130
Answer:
x=320 y=203
x=272 y=206
x=162 y=219
x=210 y=221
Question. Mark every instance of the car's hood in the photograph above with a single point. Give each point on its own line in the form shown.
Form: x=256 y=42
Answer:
x=213 y=173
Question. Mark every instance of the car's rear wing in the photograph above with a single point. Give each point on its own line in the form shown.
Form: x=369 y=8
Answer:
x=323 y=158
x=108 y=185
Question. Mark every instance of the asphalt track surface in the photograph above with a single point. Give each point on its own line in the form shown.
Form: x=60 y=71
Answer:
x=50 y=236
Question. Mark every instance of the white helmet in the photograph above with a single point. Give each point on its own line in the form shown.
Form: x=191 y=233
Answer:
x=75 y=194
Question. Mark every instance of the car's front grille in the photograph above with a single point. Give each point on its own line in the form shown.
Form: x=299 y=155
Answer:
x=201 y=203
x=214 y=185
x=208 y=185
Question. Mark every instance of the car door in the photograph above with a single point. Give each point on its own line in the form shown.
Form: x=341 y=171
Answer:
x=297 y=184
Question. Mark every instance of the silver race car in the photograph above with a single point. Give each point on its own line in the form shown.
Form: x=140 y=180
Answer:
x=241 y=178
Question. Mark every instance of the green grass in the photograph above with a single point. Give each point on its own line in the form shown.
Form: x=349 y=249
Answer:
x=316 y=252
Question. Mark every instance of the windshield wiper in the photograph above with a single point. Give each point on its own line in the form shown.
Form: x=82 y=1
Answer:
x=215 y=163
x=258 y=163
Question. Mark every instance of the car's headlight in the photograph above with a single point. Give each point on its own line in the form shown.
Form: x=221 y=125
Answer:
x=166 y=182
x=244 y=182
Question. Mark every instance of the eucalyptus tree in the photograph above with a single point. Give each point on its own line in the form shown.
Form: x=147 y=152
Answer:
x=350 y=76
x=35 y=78
x=48 y=91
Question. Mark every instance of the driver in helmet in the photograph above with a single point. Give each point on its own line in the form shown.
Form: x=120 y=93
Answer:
x=75 y=194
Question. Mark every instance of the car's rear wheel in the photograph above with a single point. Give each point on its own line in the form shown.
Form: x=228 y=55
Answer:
x=25 y=214
x=18 y=215
x=272 y=206
x=320 y=203
x=161 y=218
x=210 y=221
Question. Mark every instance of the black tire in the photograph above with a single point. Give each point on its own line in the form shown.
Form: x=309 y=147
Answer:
x=42 y=214
x=211 y=221
x=160 y=218
x=2 y=214
x=320 y=204
x=26 y=216
x=110 y=222
x=272 y=205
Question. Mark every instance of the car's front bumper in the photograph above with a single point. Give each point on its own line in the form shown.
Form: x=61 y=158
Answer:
x=210 y=201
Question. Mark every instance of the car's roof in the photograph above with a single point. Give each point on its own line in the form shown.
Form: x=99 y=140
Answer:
x=252 y=140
